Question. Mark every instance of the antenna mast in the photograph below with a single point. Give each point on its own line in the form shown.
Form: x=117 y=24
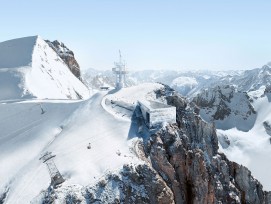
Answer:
x=120 y=71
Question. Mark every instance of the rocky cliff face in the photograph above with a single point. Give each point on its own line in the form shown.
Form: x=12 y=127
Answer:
x=227 y=107
x=67 y=56
x=181 y=164
x=186 y=156
x=134 y=184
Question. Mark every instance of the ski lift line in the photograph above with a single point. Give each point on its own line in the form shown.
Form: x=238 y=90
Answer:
x=14 y=115
x=19 y=112
x=30 y=181
x=27 y=128
x=23 y=133
x=66 y=153
x=83 y=142
x=90 y=137
x=95 y=157
x=51 y=141
x=75 y=147
x=72 y=151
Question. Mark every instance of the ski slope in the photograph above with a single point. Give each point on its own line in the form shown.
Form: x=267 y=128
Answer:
x=66 y=128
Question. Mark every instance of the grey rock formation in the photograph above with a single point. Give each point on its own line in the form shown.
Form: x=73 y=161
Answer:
x=225 y=105
x=267 y=92
x=181 y=165
x=67 y=56
x=134 y=184
x=3 y=195
x=186 y=156
x=267 y=127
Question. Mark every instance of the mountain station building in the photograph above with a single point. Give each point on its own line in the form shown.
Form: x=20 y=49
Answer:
x=156 y=113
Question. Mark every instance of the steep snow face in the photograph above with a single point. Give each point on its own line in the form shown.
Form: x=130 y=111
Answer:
x=251 y=148
x=31 y=69
x=227 y=107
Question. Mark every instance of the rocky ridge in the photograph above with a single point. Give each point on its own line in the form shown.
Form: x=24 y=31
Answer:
x=133 y=184
x=225 y=105
x=67 y=56
x=182 y=164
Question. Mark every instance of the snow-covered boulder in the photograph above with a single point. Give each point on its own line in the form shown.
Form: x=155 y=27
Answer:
x=30 y=68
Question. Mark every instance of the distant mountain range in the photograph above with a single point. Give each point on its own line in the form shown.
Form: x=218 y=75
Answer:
x=187 y=83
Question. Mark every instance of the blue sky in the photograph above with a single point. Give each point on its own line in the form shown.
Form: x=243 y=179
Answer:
x=152 y=34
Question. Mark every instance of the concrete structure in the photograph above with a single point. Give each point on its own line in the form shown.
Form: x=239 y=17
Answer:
x=56 y=177
x=155 y=113
x=120 y=71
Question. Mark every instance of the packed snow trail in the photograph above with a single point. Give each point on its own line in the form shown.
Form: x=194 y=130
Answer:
x=85 y=122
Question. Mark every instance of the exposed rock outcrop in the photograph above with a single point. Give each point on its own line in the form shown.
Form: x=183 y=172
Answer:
x=186 y=156
x=267 y=127
x=3 y=195
x=134 y=184
x=67 y=56
x=267 y=92
x=225 y=106
x=181 y=164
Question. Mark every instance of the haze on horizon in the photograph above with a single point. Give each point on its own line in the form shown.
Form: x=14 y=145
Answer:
x=154 y=34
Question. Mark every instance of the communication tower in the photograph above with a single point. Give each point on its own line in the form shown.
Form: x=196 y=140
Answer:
x=120 y=71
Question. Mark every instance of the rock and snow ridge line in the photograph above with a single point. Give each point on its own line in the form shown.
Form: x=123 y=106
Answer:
x=30 y=68
x=67 y=56
x=184 y=166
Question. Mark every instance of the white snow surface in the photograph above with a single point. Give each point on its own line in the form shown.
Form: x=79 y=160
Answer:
x=66 y=129
x=29 y=68
x=143 y=91
x=252 y=148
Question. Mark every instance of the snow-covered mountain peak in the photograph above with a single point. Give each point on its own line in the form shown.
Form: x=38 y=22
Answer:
x=30 y=68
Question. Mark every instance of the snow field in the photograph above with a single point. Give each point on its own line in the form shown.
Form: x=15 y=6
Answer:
x=65 y=129
x=252 y=149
